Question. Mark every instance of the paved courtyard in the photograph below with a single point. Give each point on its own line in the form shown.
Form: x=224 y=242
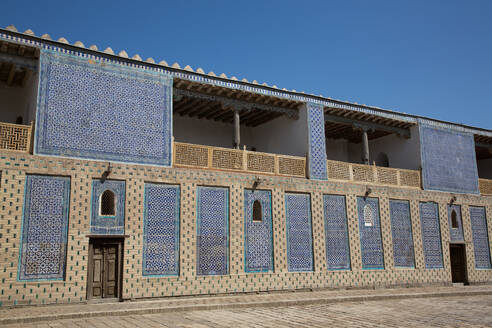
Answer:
x=467 y=311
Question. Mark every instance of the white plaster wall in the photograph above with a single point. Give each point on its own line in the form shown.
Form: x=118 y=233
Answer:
x=337 y=150
x=19 y=101
x=485 y=168
x=402 y=153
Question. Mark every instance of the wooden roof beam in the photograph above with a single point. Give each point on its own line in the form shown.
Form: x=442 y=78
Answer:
x=367 y=125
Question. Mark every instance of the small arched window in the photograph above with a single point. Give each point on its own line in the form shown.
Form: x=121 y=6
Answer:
x=368 y=218
x=382 y=160
x=257 y=217
x=107 y=204
x=454 y=220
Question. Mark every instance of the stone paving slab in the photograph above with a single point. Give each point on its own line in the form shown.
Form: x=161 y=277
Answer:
x=29 y=314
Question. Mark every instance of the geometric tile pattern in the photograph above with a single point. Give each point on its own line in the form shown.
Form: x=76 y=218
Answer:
x=480 y=237
x=336 y=233
x=448 y=160
x=455 y=234
x=87 y=109
x=212 y=230
x=299 y=232
x=431 y=235
x=401 y=230
x=161 y=230
x=44 y=228
x=317 y=142
x=258 y=246
x=108 y=224
x=370 y=233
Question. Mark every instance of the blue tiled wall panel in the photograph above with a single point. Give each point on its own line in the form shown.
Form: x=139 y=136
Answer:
x=108 y=225
x=370 y=236
x=336 y=233
x=212 y=231
x=448 y=160
x=161 y=230
x=317 y=142
x=480 y=237
x=431 y=235
x=299 y=232
x=102 y=111
x=258 y=234
x=401 y=231
x=44 y=228
x=455 y=234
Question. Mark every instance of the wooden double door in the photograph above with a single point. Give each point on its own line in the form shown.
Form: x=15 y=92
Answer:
x=105 y=259
x=458 y=263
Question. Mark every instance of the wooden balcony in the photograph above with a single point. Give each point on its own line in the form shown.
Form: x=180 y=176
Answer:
x=207 y=157
x=371 y=174
x=16 y=137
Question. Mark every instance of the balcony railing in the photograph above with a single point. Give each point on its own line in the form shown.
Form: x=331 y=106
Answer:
x=371 y=174
x=485 y=186
x=16 y=137
x=207 y=157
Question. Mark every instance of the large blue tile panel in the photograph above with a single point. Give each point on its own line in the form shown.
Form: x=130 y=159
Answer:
x=371 y=244
x=103 y=111
x=161 y=230
x=258 y=234
x=44 y=228
x=212 y=231
x=336 y=233
x=448 y=160
x=480 y=237
x=455 y=234
x=108 y=224
x=299 y=232
x=317 y=142
x=431 y=235
x=401 y=232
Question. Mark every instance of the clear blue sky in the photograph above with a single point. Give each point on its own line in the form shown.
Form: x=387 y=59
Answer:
x=430 y=58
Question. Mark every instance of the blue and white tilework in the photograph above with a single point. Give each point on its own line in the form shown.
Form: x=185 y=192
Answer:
x=108 y=224
x=480 y=237
x=44 y=228
x=299 y=232
x=401 y=232
x=212 y=231
x=431 y=235
x=317 y=142
x=448 y=160
x=258 y=234
x=161 y=230
x=455 y=234
x=371 y=245
x=336 y=233
x=103 y=111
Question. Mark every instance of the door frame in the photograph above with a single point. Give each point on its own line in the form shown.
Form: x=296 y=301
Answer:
x=106 y=240
x=465 y=263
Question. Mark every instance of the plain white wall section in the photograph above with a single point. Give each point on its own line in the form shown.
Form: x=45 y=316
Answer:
x=337 y=150
x=485 y=168
x=19 y=101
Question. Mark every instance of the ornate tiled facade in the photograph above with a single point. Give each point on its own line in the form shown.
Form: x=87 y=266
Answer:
x=88 y=109
x=481 y=246
x=446 y=160
x=336 y=233
x=455 y=233
x=401 y=233
x=258 y=241
x=370 y=233
x=299 y=232
x=212 y=231
x=108 y=224
x=44 y=228
x=431 y=235
x=161 y=230
x=317 y=142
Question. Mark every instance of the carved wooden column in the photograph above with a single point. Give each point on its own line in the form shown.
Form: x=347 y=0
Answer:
x=365 y=147
x=237 y=131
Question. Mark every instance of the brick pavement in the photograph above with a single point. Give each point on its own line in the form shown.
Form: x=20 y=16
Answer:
x=423 y=306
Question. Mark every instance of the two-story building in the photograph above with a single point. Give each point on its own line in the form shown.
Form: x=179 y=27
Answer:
x=127 y=178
